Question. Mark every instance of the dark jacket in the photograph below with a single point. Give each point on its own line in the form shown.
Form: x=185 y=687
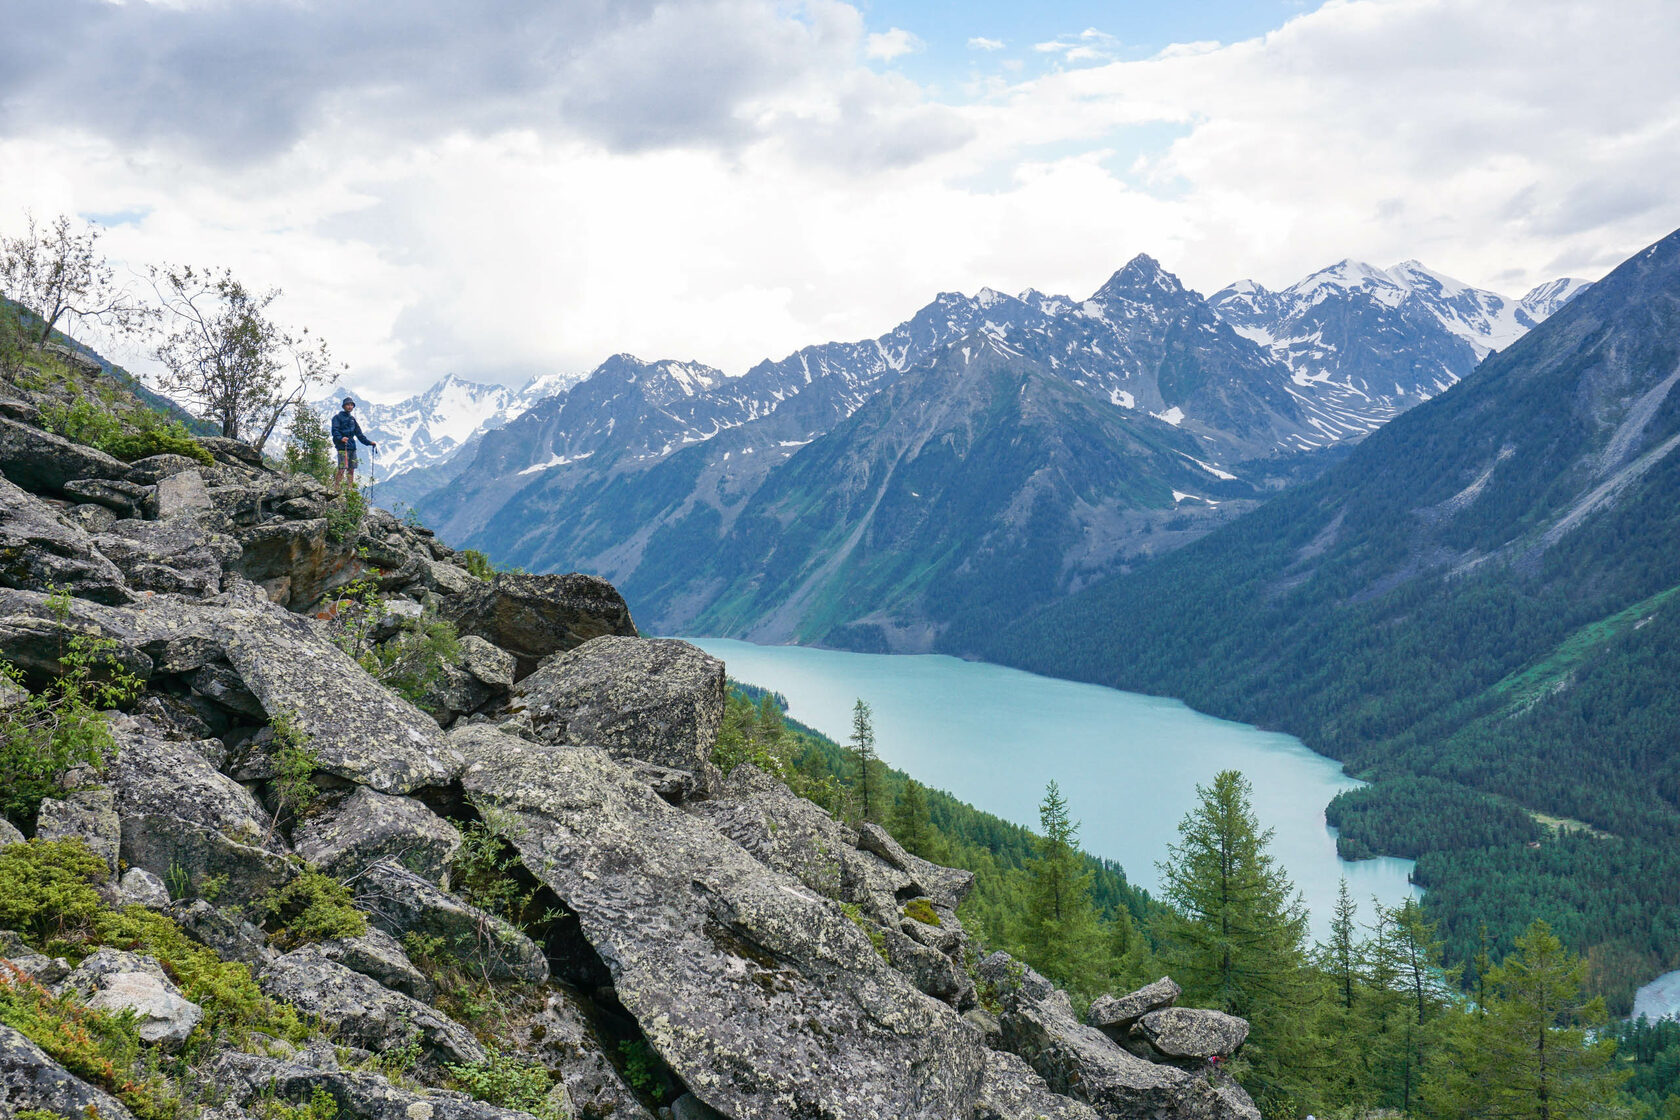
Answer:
x=344 y=426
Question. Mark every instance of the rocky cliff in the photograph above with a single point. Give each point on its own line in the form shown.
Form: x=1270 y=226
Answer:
x=452 y=869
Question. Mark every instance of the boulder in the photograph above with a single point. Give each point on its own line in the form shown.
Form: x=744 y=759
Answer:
x=140 y=887
x=534 y=616
x=171 y=556
x=235 y=453
x=401 y=902
x=1191 y=1034
x=362 y=1012
x=359 y=729
x=945 y=887
x=444 y=578
x=377 y=955
x=1010 y=1090
x=88 y=815
x=123 y=499
x=9 y=833
x=1115 y=1016
x=656 y=700
x=358 y=1095
x=42 y=463
x=187 y=823
x=179 y=495
x=761 y=995
x=690 y=1107
x=780 y=829
x=31 y=1080
x=39 y=551
x=1079 y=1061
x=155 y=468
x=299 y=555
x=37 y=966
x=367 y=826
x=230 y=935
x=491 y=666
x=116 y=981
x=562 y=1037
x=89 y=518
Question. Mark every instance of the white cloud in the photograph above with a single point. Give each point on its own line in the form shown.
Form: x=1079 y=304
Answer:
x=892 y=43
x=981 y=43
x=1090 y=45
x=524 y=223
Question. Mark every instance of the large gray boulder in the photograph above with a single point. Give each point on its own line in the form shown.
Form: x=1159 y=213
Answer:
x=782 y=830
x=562 y=1037
x=761 y=995
x=534 y=616
x=31 y=1080
x=1038 y=1025
x=296 y=562
x=88 y=815
x=1011 y=1090
x=180 y=494
x=249 y=1079
x=367 y=826
x=38 y=551
x=376 y=954
x=122 y=499
x=190 y=825
x=362 y=1012
x=171 y=556
x=42 y=463
x=117 y=981
x=1190 y=1034
x=1114 y=1016
x=401 y=902
x=657 y=700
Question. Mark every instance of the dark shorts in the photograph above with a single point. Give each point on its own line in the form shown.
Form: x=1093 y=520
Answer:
x=347 y=458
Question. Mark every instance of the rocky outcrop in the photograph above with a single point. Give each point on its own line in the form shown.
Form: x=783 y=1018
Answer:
x=358 y=1095
x=1188 y=1034
x=88 y=815
x=31 y=1080
x=42 y=463
x=715 y=956
x=401 y=902
x=377 y=955
x=1114 y=1016
x=115 y=981
x=39 y=551
x=563 y=1039
x=534 y=616
x=657 y=701
x=347 y=837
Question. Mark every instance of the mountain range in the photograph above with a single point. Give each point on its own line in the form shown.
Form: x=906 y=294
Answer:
x=989 y=454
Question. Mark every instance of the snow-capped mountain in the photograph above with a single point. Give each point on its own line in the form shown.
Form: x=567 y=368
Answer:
x=431 y=427
x=1364 y=343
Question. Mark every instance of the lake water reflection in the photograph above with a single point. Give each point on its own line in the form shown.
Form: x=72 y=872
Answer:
x=1128 y=764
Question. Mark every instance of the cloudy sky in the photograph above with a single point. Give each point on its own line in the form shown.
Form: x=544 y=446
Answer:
x=506 y=189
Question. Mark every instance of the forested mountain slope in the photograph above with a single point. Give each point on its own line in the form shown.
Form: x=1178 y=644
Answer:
x=1477 y=593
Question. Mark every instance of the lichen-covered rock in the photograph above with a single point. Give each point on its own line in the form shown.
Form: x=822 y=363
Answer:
x=140 y=887
x=762 y=996
x=782 y=830
x=155 y=468
x=491 y=666
x=690 y=1107
x=363 y=1012
x=1010 y=1090
x=657 y=700
x=563 y=1038
x=181 y=494
x=401 y=902
x=8 y=832
x=228 y=933
x=42 y=463
x=1114 y=1016
x=534 y=616
x=945 y=887
x=88 y=815
x=39 y=551
x=358 y=1095
x=31 y=1080
x=1192 y=1034
x=367 y=826
x=171 y=556
x=116 y=981
x=298 y=556
x=183 y=820
x=1080 y=1061
x=377 y=955
x=37 y=966
x=123 y=499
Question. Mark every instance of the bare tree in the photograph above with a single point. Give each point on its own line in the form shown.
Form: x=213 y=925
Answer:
x=223 y=352
x=58 y=273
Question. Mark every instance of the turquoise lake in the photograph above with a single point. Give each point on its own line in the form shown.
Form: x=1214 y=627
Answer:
x=1128 y=764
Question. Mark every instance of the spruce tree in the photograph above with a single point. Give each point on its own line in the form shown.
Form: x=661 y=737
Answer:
x=867 y=789
x=1063 y=935
x=1234 y=937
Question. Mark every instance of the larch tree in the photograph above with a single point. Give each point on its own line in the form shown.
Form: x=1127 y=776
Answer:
x=1062 y=935
x=868 y=787
x=57 y=272
x=910 y=823
x=223 y=352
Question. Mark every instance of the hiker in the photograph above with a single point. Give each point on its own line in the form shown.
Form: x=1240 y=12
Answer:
x=345 y=431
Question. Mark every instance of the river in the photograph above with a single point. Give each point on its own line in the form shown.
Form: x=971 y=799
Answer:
x=1128 y=764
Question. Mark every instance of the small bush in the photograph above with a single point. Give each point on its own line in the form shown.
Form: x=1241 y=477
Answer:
x=477 y=564
x=308 y=447
x=643 y=1068
x=344 y=519
x=312 y=907
x=412 y=665
x=507 y=1081
x=322 y=1106
x=921 y=910
x=295 y=763
x=46 y=888
x=138 y=433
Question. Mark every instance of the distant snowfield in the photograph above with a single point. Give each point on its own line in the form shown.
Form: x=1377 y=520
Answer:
x=1659 y=999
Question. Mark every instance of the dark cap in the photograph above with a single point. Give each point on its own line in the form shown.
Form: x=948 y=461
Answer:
x=349 y=402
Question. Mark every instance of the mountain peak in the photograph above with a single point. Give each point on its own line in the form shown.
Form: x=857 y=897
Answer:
x=1142 y=275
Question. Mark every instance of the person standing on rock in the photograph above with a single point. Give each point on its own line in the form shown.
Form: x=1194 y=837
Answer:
x=345 y=431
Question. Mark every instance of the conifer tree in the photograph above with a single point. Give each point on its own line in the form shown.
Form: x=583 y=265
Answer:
x=1063 y=935
x=911 y=825
x=1234 y=937
x=867 y=789
x=1532 y=1055
x=1344 y=1022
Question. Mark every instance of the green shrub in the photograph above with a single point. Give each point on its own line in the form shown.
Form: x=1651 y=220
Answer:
x=322 y=1106
x=308 y=447
x=507 y=1081
x=46 y=888
x=643 y=1068
x=312 y=907
x=295 y=763
x=344 y=519
x=412 y=664
x=138 y=433
x=477 y=564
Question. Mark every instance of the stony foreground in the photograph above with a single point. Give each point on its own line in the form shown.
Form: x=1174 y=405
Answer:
x=763 y=952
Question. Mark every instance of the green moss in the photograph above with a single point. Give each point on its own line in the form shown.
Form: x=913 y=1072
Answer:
x=921 y=910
